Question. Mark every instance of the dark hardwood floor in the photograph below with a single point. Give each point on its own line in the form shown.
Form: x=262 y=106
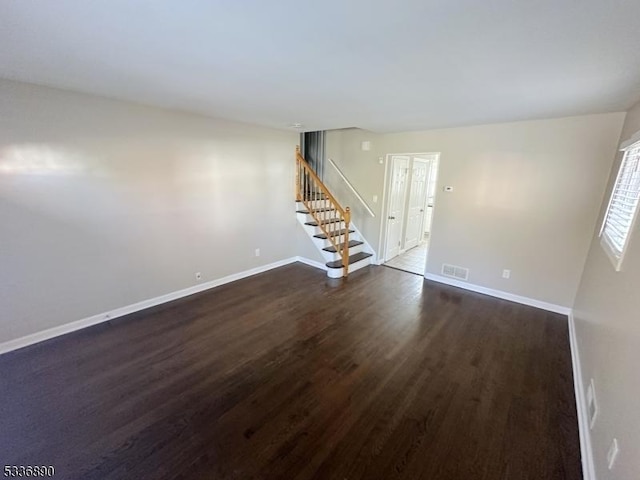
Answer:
x=291 y=375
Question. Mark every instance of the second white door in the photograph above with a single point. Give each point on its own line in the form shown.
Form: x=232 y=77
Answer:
x=417 y=202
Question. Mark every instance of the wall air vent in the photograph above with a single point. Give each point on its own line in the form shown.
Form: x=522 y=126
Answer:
x=455 y=272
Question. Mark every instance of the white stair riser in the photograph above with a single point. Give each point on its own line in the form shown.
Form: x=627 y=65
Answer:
x=361 y=264
x=325 y=242
x=336 y=256
x=324 y=216
x=338 y=272
x=311 y=231
x=335 y=273
x=334 y=227
x=331 y=227
x=314 y=204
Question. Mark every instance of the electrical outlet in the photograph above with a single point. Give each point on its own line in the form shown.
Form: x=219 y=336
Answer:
x=257 y=252
x=612 y=454
x=506 y=273
x=375 y=199
x=198 y=276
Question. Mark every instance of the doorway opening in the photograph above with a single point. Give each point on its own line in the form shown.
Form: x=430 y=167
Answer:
x=410 y=199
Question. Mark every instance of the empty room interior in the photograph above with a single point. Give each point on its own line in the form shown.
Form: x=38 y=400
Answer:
x=320 y=240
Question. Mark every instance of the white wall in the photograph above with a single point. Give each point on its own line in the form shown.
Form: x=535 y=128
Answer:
x=305 y=246
x=105 y=203
x=526 y=197
x=363 y=171
x=607 y=318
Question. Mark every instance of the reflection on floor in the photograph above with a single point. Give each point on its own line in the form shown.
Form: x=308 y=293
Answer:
x=412 y=260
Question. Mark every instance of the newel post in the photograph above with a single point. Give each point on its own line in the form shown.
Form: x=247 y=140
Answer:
x=298 y=193
x=345 y=248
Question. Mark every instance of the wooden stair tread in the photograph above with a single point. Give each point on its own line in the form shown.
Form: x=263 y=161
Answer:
x=316 y=210
x=324 y=222
x=352 y=243
x=333 y=234
x=352 y=259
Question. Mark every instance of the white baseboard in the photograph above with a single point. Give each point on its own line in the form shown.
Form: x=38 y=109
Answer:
x=499 y=294
x=152 y=302
x=312 y=263
x=586 y=451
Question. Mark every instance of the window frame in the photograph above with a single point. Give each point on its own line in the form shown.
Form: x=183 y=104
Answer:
x=609 y=249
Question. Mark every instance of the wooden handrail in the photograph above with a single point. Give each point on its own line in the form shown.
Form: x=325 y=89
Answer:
x=309 y=188
x=315 y=177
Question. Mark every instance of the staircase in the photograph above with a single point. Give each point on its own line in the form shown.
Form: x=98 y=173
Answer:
x=328 y=224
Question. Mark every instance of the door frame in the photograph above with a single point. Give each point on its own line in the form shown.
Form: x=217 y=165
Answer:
x=382 y=240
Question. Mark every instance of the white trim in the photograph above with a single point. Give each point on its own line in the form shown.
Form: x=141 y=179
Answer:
x=388 y=170
x=351 y=187
x=152 y=302
x=586 y=451
x=551 y=307
x=616 y=262
x=312 y=263
x=382 y=237
x=630 y=141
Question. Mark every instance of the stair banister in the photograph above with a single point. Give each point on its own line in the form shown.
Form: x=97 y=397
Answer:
x=311 y=191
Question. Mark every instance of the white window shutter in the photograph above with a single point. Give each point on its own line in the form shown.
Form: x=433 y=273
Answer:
x=623 y=206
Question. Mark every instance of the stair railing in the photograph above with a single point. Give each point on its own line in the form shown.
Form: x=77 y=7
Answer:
x=324 y=208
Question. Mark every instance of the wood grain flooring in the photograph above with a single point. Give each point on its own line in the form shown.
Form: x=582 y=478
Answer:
x=291 y=375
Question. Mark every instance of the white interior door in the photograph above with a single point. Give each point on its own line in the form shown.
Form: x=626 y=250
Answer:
x=431 y=193
x=417 y=202
x=397 y=195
